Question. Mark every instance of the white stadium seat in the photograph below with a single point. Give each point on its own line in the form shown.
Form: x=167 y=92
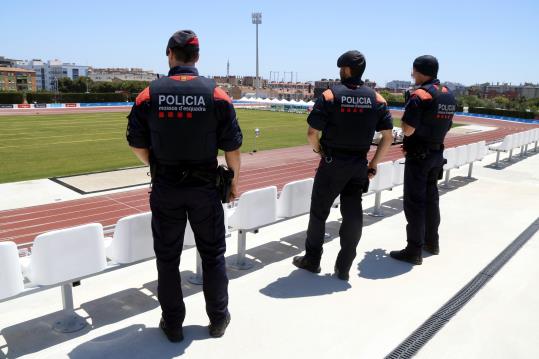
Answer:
x=11 y=279
x=295 y=198
x=398 y=172
x=450 y=154
x=506 y=145
x=133 y=240
x=381 y=182
x=473 y=149
x=66 y=254
x=472 y=152
x=462 y=155
x=255 y=209
x=482 y=150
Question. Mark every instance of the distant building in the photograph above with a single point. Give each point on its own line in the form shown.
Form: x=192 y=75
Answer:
x=487 y=90
x=121 y=74
x=324 y=84
x=455 y=87
x=16 y=79
x=231 y=80
x=529 y=91
x=5 y=62
x=48 y=73
x=398 y=85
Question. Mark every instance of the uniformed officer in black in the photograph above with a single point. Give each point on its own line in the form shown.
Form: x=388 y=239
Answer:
x=176 y=126
x=347 y=115
x=427 y=118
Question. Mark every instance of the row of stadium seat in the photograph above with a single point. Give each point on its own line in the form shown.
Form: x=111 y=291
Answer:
x=517 y=140
x=63 y=257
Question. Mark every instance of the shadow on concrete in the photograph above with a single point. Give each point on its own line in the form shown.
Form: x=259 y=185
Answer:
x=300 y=283
x=37 y=334
x=377 y=264
x=138 y=341
x=516 y=158
x=395 y=206
x=263 y=255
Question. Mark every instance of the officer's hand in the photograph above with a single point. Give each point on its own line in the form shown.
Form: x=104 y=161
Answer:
x=233 y=191
x=403 y=150
x=372 y=170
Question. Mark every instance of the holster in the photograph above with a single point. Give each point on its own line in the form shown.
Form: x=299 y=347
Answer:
x=415 y=150
x=224 y=183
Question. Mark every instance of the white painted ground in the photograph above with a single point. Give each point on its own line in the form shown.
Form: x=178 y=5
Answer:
x=281 y=312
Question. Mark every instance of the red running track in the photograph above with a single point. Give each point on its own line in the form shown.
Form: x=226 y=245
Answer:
x=276 y=167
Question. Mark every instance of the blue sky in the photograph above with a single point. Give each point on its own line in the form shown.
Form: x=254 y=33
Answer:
x=475 y=41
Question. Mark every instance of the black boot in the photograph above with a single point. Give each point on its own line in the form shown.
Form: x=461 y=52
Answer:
x=217 y=330
x=175 y=335
x=341 y=275
x=432 y=248
x=304 y=263
x=407 y=256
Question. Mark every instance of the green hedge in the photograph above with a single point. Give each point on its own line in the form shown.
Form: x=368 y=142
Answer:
x=499 y=112
x=395 y=104
x=48 y=97
x=40 y=97
x=11 y=97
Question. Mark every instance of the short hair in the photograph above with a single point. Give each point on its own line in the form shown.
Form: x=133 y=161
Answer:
x=185 y=54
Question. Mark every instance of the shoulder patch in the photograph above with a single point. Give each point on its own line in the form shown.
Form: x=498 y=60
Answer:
x=328 y=95
x=422 y=94
x=220 y=94
x=143 y=96
x=380 y=99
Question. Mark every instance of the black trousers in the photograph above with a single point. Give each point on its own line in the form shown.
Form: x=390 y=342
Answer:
x=171 y=205
x=421 y=200
x=346 y=176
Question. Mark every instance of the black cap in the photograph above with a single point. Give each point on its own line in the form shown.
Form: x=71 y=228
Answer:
x=427 y=65
x=182 y=38
x=353 y=59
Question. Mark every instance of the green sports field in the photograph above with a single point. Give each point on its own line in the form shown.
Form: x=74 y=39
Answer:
x=42 y=146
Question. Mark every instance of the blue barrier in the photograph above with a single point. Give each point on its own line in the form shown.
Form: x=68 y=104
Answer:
x=105 y=104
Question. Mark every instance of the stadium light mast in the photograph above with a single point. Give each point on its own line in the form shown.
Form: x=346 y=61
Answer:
x=257 y=20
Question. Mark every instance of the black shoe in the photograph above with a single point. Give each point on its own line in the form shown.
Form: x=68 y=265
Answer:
x=175 y=335
x=432 y=248
x=341 y=275
x=406 y=256
x=217 y=330
x=304 y=263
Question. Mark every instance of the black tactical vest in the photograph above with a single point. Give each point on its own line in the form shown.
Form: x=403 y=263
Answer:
x=437 y=116
x=352 y=122
x=182 y=123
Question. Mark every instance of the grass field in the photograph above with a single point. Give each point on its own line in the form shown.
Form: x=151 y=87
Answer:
x=41 y=146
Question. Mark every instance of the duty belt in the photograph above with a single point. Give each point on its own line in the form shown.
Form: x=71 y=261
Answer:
x=345 y=152
x=434 y=146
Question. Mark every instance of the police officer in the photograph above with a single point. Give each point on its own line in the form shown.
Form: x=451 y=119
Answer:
x=176 y=126
x=347 y=115
x=427 y=118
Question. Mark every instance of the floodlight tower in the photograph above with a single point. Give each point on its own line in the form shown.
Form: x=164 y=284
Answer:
x=257 y=20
